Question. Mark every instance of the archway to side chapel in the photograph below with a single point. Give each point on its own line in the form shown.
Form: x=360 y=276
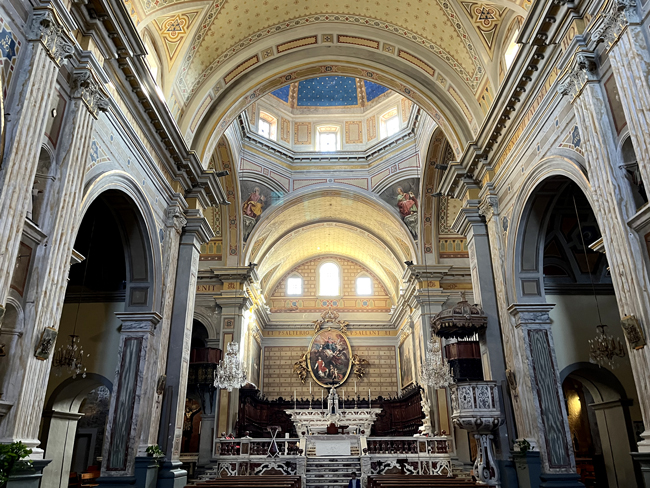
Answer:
x=114 y=275
x=560 y=270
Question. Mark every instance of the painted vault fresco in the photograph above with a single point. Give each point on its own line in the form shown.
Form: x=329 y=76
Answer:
x=257 y=197
x=404 y=198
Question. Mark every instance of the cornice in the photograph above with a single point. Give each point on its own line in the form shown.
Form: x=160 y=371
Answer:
x=291 y=157
x=539 y=36
x=108 y=22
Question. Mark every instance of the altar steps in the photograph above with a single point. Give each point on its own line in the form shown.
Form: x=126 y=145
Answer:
x=331 y=472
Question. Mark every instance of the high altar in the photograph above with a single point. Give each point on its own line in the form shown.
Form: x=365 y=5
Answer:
x=357 y=421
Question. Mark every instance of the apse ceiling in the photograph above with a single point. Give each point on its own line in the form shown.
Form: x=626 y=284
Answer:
x=334 y=222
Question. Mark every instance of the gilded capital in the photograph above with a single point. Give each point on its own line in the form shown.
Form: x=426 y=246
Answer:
x=46 y=28
x=85 y=87
x=582 y=69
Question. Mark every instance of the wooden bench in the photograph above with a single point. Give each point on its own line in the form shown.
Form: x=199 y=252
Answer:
x=268 y=481
x=88 y=479
x=416 y=481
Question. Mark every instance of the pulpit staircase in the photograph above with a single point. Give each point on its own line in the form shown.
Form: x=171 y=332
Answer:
x=330 y=471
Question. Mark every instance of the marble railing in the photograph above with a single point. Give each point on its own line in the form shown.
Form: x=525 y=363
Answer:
x=257 y=447
x=378 y=455
x=407 y=445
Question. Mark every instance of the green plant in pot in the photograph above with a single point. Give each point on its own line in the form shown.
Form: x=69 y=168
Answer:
x=13 y=460
x=155 y=452
x=523 y=446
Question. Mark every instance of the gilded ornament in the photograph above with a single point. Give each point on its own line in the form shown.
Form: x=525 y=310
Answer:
x=359 y=366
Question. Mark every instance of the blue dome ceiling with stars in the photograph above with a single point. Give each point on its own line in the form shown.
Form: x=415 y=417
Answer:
x=331 y=91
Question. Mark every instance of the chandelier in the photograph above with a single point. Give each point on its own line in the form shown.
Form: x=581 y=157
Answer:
x=435 y=370
x=70 y=357
x=604 y=349
x=230 y=373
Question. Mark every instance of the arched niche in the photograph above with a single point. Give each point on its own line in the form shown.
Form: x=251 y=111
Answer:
x=604 y=406
x=141 y=239
x=60 y=418
x=527 y=233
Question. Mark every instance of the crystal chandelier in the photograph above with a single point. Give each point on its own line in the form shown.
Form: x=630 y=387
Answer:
x=230 y=373
x=435 y=370
x=70 y=357
x=604 y=349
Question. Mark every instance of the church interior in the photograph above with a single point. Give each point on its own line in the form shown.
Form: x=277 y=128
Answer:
x=296 y=244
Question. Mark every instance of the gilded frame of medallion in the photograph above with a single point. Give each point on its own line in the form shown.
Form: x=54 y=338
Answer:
x=347 y=373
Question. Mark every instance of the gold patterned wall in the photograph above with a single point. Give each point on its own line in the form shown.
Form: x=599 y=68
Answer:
x=279 y=379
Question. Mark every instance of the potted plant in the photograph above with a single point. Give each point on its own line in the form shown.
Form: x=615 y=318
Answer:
x=527 y=464
x=155 y=451
x=13 y=461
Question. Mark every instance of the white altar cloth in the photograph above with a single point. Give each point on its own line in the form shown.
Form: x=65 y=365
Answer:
x=333 y=447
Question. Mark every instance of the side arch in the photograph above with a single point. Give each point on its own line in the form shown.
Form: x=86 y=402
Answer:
x=524 y=253
x=140 y=236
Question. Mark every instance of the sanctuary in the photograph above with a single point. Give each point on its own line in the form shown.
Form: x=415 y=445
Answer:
x=318 y=244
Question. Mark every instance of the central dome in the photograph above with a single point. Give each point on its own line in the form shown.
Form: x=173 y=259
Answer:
x=330 y=91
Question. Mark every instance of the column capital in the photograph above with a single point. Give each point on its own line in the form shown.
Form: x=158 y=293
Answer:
x=86 y=87
x=197 y=225
x=139 y=321
x=613 y=21
x=468 y=217
x=57 y=414
x=581 y=69
x=46 y=27
x=489 y=206
x=531 y=315
x=175 y=217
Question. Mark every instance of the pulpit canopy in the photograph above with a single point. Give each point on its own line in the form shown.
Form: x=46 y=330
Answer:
x=461 y=321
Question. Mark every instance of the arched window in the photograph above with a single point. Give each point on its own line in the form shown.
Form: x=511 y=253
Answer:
x=267 y=125
x=512 y=50
x=389 y=124
x=294 y=285
x=329 y=280
x=364 y=285
x=328 y=139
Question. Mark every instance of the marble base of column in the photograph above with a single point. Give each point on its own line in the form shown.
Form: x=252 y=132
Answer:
x=116 y=481
x=172 y=475
x=206 y=441
x=29 y=478
x=146 y=471
x=560 y=480
x=642 y=459
x=508 y=474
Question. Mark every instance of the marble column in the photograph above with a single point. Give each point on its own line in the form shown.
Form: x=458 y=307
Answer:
x=621 y=30
x=35 y=82
x=613 y=207
x=471 y=223
x=49 y=276
x=133 y=383
x=62 y=428
x=197 y=231
x=234 y=302
x=533 y=326
x=174 y=223
x=520 y=391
